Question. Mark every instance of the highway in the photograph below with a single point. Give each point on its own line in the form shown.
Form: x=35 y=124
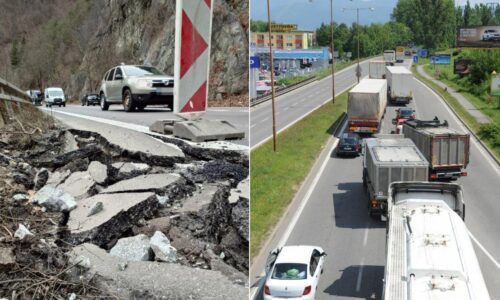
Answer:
x=330 y=211
x=238 y=116
x=296 y=104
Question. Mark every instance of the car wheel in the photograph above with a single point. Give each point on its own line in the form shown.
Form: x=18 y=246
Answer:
x=128 y=102
x=104 y=104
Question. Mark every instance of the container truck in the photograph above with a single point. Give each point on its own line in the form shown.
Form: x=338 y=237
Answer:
x=366 y=105
x=428 y=248
x=400 y=54
x=446 y=149
x=376 y=69
x=389 y=158
x=389 y=57
x=399 y=85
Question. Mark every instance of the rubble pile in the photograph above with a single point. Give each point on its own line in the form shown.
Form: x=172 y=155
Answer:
x=81 y=214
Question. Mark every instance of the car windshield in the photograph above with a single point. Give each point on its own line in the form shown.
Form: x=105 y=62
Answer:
x=141 y=71
x=405 y=113
x=290 y=271
x=56 y=93
x=349 y=141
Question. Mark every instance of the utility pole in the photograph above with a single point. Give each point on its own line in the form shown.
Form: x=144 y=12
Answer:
x=272 y=73
x=333 y=51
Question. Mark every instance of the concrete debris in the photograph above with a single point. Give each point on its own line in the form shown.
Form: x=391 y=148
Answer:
x=54 y=199
x=122 y=266
x=162 y=200
x=98 y=206
x=120 y=213
x=70 y=143
x=128 y=169
x=151 y=182
x=58 y=177
x=242 y=191
x=7 y=258
x=136 y=248
x=20 y=198
x=162 y=249
x=82 y=261
x=158 y=280
x=80 y=185
x=199 y=200
x=98 y=172
x=22 y=232
x=41 y=178
x=72 y=296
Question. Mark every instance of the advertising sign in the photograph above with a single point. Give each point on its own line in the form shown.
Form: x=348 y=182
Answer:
x=479 y=37
x=193 y=28
x=461 y=66
x=440 y=59
x=423 y=52
x=495 y=84
x=254 y=62
x=283 y=27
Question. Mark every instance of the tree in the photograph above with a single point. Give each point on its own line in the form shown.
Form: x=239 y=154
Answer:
x=15 y=55
x=258 y=26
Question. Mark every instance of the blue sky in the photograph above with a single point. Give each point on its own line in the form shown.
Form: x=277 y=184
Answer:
x=309 y=14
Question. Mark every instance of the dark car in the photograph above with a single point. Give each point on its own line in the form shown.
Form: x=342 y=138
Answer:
x=349 y=144
x=405 y=113
x=91 y=99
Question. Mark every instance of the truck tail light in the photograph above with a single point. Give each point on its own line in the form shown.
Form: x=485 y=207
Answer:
x=463 y=174
x=374 y=204
x=266 y=290
x=307 y=290
x=434 y=176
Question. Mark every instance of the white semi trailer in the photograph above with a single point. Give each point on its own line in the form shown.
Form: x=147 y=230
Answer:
x=429 y=251
x=399 y=80
x=376 y=69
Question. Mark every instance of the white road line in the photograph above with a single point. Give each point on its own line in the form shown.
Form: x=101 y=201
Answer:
x=253 y=125
x=484 y=250
x=365 y=238
x=360 y=275
x=263 y=120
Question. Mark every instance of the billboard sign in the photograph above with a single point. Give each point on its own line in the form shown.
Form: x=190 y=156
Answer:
x=283 y=27
x=193 y=28
x=461 y=66
x=479 y=37
x=423 y=52
x=440 y=59
x=254 y=62
x=495 y=84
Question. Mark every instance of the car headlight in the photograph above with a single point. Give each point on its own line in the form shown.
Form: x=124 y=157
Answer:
x=144 y=84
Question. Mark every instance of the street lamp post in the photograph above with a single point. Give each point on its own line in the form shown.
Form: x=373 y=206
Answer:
x=358 y=68
x=272 y=73
x=333 y=50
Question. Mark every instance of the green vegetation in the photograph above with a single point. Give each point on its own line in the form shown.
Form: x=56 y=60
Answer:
x=481 y=14
x=292 y=80
x=258 y=26
x=489 y=133
x=276 y=177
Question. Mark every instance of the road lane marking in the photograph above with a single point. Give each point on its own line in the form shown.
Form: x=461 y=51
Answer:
x=484 y=250
x=365 y=238
x=360 y=275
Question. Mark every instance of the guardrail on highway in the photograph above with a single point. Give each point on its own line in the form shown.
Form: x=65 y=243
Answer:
x=282 y=91
x=12 y=100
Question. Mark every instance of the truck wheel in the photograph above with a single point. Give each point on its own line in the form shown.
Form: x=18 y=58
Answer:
x=104 y=103
x=128 y=102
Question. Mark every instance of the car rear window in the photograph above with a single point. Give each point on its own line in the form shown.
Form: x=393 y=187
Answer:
x=405 y=113
x=290 y=271
x=349 y=141
x=141 y=71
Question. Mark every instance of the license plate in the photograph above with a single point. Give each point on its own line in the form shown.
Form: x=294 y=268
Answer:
x=347 y=148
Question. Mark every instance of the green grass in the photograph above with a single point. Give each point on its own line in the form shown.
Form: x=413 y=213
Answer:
x=292 y=80
x=493 y=113
x=276 y=177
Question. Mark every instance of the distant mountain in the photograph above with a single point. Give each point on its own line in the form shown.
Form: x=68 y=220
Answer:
x=309 y=14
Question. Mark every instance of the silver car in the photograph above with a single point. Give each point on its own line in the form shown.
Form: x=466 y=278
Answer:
x=135 y=87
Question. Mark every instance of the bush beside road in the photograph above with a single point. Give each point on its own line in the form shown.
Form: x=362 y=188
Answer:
x=276 y=177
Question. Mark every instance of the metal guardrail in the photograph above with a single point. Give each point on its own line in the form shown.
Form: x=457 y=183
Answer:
x=282 y=91
x=12 y=100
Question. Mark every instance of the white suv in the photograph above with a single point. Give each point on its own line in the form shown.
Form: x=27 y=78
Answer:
x=491 y=34
x=135 y=87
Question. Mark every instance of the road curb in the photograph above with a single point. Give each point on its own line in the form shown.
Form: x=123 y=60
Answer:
x=485 y=147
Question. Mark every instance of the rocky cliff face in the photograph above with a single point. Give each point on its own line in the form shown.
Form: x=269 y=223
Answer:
x=106 y=33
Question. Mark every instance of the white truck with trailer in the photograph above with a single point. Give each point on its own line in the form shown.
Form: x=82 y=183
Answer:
x=399 y=80
x=429 y=251
x=446 y=149
x=366 y=105
x=389 y=158
x=389 y=57
x=376 y=69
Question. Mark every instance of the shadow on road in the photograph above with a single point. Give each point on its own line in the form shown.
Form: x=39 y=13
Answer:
x=351 y=208
x=358 y=282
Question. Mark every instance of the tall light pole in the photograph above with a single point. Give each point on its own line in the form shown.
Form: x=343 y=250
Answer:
x=272 y=72
x=357 y=9
x=333 y=51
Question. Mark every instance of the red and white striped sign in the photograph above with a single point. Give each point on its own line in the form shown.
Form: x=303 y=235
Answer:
x=193 y=28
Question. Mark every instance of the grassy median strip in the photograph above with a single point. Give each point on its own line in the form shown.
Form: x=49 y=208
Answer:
x=276 y=177
x=458 y=108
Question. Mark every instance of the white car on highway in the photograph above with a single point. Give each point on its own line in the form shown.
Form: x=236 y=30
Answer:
x=293 y=272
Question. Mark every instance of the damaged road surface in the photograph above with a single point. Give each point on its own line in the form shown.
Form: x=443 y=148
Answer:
x=96 y=210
